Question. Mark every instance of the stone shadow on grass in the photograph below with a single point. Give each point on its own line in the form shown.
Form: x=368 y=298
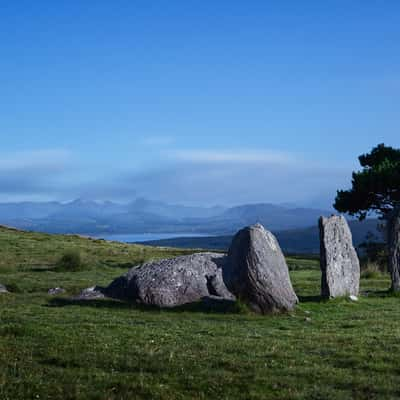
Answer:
x=124 y=265
x=311 y=299
x=382 y=293
x=43 y=269
x=207 y=305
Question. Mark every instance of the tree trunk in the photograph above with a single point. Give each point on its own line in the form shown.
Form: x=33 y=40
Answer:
x=394 y=249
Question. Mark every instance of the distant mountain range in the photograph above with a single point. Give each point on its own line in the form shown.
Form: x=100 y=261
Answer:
x=295 y=227
x=292 y=241
x=147 y=216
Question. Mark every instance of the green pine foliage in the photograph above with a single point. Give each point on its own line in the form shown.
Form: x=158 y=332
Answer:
x=376 y=187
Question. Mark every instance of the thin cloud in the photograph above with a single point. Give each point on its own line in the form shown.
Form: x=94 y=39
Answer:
x=33 y=172
x=198 y=177
x=45 y=159
x=233 y=156
x=231 y=183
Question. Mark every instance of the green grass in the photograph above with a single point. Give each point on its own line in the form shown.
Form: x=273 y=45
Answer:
x=52 y=348
x=299 y=263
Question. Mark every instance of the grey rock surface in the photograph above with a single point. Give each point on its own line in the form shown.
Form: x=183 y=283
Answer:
x=55 y=291
x=340 y=266
x=91 y=293
x=3 y=289
x=257 y=272
x=173 y=282
x=394 y=248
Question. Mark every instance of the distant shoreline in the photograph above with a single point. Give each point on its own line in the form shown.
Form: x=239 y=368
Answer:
x=146 y=237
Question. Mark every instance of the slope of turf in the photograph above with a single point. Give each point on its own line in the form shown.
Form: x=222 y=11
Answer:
x=53 y=348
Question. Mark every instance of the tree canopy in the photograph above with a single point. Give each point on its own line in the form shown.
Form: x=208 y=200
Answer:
x=376 y=187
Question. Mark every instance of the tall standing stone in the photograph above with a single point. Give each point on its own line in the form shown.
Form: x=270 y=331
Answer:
x=394 y=248
x=340 y=266
x=257 y=272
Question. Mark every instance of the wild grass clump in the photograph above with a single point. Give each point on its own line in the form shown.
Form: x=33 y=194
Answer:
x=240 y=307
x=394 y=293
x=371 y=271
x=71 y=260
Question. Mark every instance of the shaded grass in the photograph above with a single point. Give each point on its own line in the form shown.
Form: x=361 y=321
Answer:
x=54 y=348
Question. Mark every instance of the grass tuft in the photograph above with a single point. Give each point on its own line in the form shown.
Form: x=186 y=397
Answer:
x=371 y=271
x=240 y=307
x=71 y=260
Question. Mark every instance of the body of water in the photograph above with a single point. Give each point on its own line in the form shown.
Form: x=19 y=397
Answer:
x=145 y=237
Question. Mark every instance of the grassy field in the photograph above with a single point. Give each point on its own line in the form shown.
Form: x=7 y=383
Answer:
x=53 y=348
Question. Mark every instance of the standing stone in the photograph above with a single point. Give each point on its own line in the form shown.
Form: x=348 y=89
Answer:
x=340 y=266
x=257 y=272
x=394 y=248
x=173 y=282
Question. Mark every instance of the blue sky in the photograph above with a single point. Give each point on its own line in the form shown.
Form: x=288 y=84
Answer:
x=196 y=102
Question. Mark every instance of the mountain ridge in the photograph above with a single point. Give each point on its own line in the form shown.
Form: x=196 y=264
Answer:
x=148 y=216
x=293 y=241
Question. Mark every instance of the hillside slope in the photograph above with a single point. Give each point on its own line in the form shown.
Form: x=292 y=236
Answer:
x=27 y=250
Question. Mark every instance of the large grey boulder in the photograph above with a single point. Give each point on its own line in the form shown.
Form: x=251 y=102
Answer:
x=340 y=266
x=394 y=248
x=173 y=282
x=257 y=272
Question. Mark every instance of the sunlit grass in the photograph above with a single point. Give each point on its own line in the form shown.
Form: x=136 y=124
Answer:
x=52 y=348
